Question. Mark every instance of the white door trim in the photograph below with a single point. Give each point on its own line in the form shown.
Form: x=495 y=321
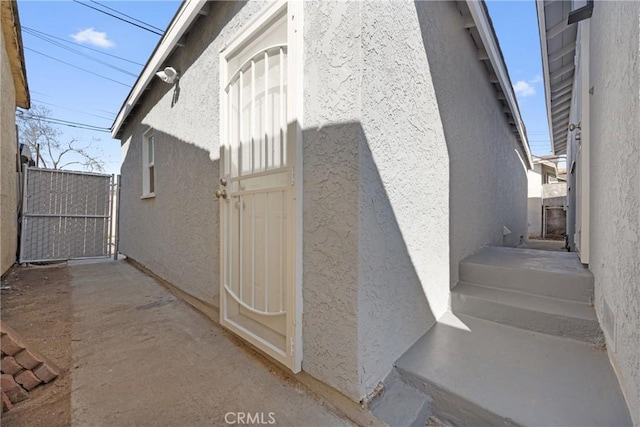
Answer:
x=293 y=359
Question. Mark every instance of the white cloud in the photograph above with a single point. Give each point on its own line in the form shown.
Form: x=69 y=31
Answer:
x=523 y=88
x=536 y=79
x=90 y=36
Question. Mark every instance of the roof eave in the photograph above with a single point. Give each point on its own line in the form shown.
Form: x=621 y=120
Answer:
x=545 y=69
x=180 y=24
x=491 y=46
x=13 y=41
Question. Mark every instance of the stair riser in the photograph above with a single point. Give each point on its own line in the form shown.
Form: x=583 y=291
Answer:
x=550 y=324
x=451 y=408
x=400 y=404
x=557 y=285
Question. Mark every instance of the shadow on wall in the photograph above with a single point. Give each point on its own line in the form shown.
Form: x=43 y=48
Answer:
x=175 y=234
x=488 y=181
x=360 y=282
x=199 y=38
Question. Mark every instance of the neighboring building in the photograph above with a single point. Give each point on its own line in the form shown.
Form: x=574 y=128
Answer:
x=385 y=146
x=591 y=67
x=547 y=200
x=15 y=93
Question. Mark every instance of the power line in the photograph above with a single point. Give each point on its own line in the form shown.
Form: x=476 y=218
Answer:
x=79 y=68
x=65 y=122
x=77 y=52
x=130 y=17
x=27 y=29
x=51 y=96
x=117 y=17
x=39 y=101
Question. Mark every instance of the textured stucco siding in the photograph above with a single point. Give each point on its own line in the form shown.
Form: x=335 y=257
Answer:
x=176 y=234
x=401 y=127
x=615 y=182
x=404 y=200
x=488 y=179
x=8 y=151
x=332 y=135
x=377 y=168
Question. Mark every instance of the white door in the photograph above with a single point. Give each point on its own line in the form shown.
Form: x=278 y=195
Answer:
x=257 y=192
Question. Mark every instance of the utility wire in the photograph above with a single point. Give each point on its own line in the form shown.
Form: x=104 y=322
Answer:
x=77 y=52
x=39 y=101
x=65 y=122
x=130 y=17
x=117 y=17
x=51 y=96
x=31 y=30
x=79 y=68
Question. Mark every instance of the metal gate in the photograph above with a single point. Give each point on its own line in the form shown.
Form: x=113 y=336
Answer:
x=66 y=215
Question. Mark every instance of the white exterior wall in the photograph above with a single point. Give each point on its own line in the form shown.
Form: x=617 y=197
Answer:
x=176 y=234
x=615 y=184
x=386 y=135
x=534 y=201
x=332 y=135
x=8 y=151
x=401 y=177
x=488 y=179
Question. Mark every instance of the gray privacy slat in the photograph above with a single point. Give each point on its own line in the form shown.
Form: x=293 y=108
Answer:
x=48 y=232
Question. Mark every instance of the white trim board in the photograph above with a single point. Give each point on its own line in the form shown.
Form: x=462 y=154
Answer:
x=188 y=12
x=476 y=8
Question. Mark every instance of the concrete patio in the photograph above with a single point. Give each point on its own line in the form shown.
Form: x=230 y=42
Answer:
x=143 y=357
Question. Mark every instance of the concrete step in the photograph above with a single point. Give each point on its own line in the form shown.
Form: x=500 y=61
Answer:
x=548 y=315
x=483 y=373
x=399 y=404
x=553 y=274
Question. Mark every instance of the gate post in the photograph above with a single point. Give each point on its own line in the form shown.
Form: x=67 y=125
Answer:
x=117 y=224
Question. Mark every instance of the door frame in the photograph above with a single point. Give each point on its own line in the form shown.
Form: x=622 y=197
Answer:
x=295 y=98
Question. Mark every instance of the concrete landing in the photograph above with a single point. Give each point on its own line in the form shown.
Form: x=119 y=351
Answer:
x=483 y=373
x=553 y=274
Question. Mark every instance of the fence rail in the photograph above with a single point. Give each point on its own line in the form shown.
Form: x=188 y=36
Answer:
x=66 y=215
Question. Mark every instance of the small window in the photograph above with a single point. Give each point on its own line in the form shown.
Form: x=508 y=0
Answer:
x=148 y=170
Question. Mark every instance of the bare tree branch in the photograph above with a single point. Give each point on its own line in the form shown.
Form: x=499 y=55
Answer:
x=34 y=130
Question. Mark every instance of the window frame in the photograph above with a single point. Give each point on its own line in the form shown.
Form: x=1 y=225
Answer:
x=148 y=165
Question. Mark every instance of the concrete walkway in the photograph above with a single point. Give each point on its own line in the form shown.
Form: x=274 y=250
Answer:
x=143 y=357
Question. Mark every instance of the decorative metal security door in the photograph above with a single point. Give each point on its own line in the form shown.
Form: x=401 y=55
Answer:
x=257 y=193
x=66 y=215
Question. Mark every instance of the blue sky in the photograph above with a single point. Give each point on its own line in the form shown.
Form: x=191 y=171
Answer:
x=516 y=25
x=76 y=95
x=79 y=96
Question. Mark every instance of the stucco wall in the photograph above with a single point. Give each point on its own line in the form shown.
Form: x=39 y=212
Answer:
x=534 y=201
x=404 y=202
x=615 y=183
x=387 y=137
x=377 y=162
x=332 y=135
x=8 y=151
x=488 y=180
x=176 y=234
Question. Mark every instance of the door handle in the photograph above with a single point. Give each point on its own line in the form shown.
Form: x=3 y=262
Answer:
x=222 y=194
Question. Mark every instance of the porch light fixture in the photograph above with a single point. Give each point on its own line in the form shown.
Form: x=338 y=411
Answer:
x=168 y=75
